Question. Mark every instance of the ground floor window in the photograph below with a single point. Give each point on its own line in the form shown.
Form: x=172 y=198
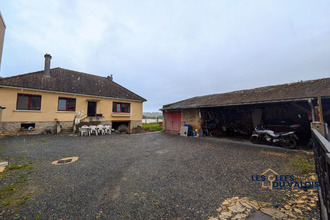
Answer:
x=28 y=126
x=66 y=104
x=28 y=102
x=121 y=107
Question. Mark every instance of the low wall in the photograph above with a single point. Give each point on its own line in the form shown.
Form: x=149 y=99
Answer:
x=151 y=121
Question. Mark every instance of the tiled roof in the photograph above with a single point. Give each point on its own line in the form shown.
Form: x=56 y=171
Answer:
x=68 y=81
x=298 y=90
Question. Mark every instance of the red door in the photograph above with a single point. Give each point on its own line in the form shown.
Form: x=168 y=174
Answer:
x=173 y=120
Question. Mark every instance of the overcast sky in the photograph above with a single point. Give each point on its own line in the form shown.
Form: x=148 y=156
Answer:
x=167 y=51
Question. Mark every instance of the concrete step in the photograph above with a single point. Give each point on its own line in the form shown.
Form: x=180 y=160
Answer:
x=66 y=131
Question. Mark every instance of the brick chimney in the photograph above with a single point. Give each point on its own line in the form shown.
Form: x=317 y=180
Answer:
x=47 y=64
x=110 y=77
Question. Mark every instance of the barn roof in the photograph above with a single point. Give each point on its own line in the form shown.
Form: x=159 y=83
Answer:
x=68 y=81
x=278 y=93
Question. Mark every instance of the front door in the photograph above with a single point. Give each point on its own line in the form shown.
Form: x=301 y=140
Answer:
x=91 y=109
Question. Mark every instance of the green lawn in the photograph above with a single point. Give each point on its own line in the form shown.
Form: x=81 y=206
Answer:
x=153 y=127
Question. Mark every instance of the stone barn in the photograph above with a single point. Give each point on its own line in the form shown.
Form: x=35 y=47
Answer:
x=239 y=112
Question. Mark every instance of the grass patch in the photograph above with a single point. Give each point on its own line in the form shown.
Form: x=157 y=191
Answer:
x=13 y=189
x=3 y=175
x=38 y=217
x=44 y=141
x=8 y=189
x=152 y=127
x=17 y=167
x=302 y=163
x=12 y=201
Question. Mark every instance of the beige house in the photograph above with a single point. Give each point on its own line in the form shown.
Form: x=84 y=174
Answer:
x=2 y=35
x=36 y=102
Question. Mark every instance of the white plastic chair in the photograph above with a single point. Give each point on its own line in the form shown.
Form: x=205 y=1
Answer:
x=92 y=128
x=83 y=131
x=100 y=129
x=107 y=129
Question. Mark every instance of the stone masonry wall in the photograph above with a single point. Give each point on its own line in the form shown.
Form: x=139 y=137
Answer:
x=191 y=117
x=14 y=128
x=135 y=123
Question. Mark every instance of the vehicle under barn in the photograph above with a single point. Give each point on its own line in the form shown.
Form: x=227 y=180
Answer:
x=279 y=108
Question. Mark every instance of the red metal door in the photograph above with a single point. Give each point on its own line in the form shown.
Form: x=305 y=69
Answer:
x=173 y=121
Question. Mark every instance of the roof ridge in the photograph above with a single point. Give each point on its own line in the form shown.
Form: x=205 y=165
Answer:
x=78 y=72
x=23 y=74
x=60 y=68
x=105 y=79
x=263 y=87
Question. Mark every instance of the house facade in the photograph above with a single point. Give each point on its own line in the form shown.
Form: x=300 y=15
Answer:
x=36 y=102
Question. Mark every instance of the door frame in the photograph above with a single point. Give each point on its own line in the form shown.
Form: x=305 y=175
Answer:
x=89 y=114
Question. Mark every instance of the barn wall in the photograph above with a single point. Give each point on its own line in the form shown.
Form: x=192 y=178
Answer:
x=191 y=117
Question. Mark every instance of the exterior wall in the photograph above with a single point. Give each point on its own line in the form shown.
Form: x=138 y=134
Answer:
x=191 y=117
x=135 y=123
x=49 y=106
x=2 y=35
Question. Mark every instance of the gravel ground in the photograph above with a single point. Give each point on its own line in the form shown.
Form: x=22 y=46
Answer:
x=147 y=176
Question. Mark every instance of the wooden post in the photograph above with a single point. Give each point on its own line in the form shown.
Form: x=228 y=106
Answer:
x=320 y=110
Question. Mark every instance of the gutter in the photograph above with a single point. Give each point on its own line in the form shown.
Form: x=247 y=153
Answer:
x=236 y=104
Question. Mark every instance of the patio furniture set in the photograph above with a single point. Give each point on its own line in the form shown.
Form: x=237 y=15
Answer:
x=97 y=129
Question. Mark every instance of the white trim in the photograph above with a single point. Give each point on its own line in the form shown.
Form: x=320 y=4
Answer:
x=66 y=112
x=115 y=114
x=39 y=111
x=51 y=91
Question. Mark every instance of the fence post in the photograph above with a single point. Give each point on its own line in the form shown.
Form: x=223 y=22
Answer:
x=319 y=126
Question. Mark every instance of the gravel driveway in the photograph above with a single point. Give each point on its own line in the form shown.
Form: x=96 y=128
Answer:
x=149 y=176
